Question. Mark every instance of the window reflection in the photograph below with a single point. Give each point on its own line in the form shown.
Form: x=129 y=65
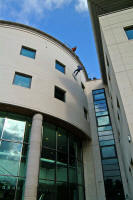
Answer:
x=13 y=130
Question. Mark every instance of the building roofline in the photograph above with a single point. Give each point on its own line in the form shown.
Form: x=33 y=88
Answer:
x=30 y=28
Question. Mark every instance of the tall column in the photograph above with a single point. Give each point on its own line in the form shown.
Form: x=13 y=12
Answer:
x=31 y=182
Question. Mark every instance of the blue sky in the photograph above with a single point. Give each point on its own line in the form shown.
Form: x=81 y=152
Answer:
x=66 y=20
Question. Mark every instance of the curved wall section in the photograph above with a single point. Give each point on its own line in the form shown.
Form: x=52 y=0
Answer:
x=37 y=62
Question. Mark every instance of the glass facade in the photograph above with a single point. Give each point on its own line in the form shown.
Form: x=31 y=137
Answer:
x=61 y=167
x=25 y=51
x=22 y=80
x=14 y=131
x=110 y=164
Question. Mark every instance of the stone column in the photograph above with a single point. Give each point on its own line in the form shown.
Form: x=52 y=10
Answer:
x=31 y=181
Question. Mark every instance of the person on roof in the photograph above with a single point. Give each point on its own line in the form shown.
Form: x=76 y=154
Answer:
x=74 y=49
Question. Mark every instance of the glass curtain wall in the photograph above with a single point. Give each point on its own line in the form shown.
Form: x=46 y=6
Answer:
x=110 y=164
x=61 y=167
x=14 y=135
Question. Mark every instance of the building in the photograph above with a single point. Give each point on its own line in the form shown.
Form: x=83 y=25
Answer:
x=113 y=30
x=63 y=137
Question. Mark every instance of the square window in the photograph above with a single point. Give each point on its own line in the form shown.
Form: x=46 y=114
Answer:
x=59 y=93
x=22 y=80
x=129 y=32
x=103 y=121
x=60 y=67
x=28 y=52
x=85 y=113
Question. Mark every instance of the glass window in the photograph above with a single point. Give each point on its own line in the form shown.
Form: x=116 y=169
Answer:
x=81 y=193
x=98 y=91
x=101 y=133
x=80 y=173
x=113 y=161
x=13 y=130
x=48 y=154
x=46 y=190
x=62 y=140
x=10 y=154
x=129 y=33
x=105 y=128
x=106 y=137
x=100 y=102
x=113 y=166
x=28 y=52
x=107 y=143
x=60 y=67
x=103 y=120
x=22 y=80
x=108 y=152
x=59 y=93
x=72 y=172
x=98 y=114
x=61 y=191
x=112 y=173
x=47 y=169
x=7 y=187
x=49 y=136
x=61 y=172
x=99 y=96
x=2 y=121
x=100 y=107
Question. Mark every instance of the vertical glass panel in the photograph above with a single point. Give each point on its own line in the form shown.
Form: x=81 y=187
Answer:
x=105 y=133
x=62 y=158
x=80 y=173
x=61 y=191
x=107 y=143
x=105 y=128
x=60 y=67
x=10 y=154
x=73 y=192
x=13 y=130
x=103 y=121
x=98 y=114
x=20 y=189
x=25 y=51
x=47 y=169
x=49 y=155
x=22 y=80
x=106 y=137
x=46 y=190
x=49 y=136
x=72 y=147
x=98 y=91
x=2 y=121
x=62 y=141
x=7 y=187
x=81 y=193
x=114 y=188
x=61 y=173
x=108 y=152
x=99 y=96
x=73 y=174
x=129 y=33
x=22 y=168
x=79 y=151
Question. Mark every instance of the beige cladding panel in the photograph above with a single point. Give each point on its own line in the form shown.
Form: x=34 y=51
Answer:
x=40 y=96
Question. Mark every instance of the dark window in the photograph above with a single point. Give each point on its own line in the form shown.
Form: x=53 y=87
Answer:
x=28 y=52
x=59 y=94
x=60 y=67
x=85 y=113
x=22 y=80
x=129 y=32
x=82 y=85
x=98 y=91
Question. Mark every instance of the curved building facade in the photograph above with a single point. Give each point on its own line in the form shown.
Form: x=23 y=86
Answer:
x=43 y=117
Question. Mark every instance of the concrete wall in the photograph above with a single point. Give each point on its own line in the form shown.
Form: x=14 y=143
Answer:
x=118 y=50
x=40 y=96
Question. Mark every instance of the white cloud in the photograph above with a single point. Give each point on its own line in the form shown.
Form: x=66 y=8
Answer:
x=81 y=6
